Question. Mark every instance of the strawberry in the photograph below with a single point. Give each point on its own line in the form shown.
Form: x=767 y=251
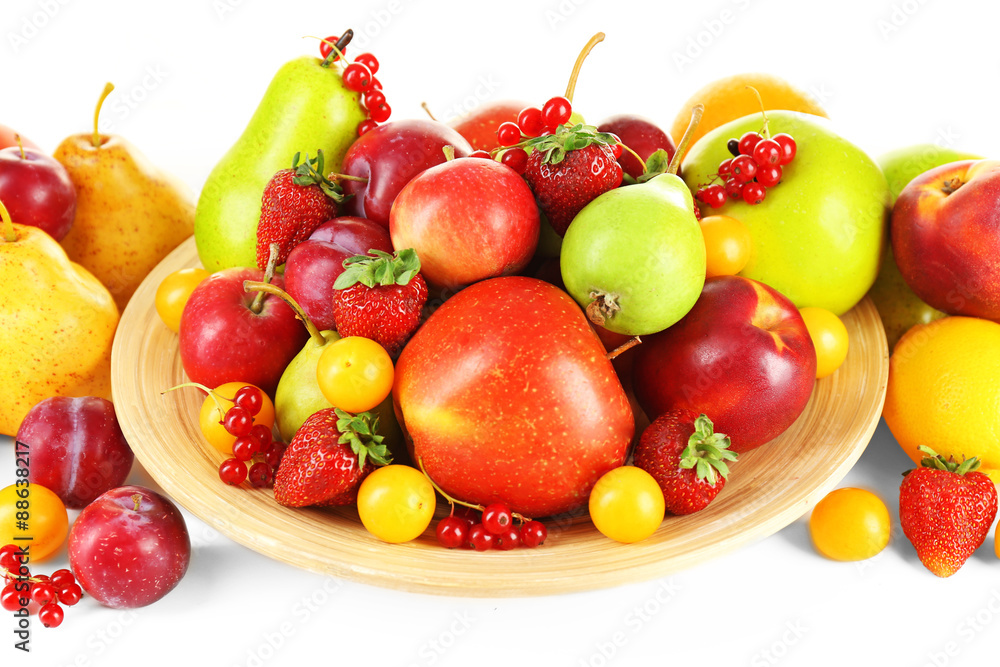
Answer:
x=381 y=297
x=295 y=202
x=329 y=456
x=686 y=458
x=566 y=170
x=946 y=509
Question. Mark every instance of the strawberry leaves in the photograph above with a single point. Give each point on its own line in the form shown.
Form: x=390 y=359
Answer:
x=360 y=432
x=311 y=172
x=707 y=451
x=555 y=146
x=379 y=268
x=937 y=462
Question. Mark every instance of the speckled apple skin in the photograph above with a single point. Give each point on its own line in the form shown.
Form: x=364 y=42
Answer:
x=129 y=548
x=507 y=396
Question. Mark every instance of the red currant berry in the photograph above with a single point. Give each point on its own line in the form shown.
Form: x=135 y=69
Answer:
x=245 y=447
x=556 y=111
x=260 y=475
x=61 y=578
x=480 y=538
x=262 y=434
x=753 y=192
x=769 y=176
x=788 y=147
x=734 y=190
x=725 y=167
x=233 y=472
x=767 y=152
x=366 y=125
x=714 y=196
x=373 y=98
x=452 y=532
x=9 y=559
x=273 y=454
x=381 y=113
x=249 y=398
x=376 y=84
x=529 y=119
x=43 y=593
x=509 y=539
x=70 y=594
x=699 y=195
x=51 y=615
x=497 y=518
x=237 y=421
x=10 y=597
x=734 y=146
x=369 y=61
x=533 y=534
x=747 y=142
x=484 y=155
x=744 y=168
x=357 y=77
x=516 y=159
x=326 y=47
x=508 y=134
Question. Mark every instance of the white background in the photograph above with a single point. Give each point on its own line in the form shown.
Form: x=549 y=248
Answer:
x=189 y=75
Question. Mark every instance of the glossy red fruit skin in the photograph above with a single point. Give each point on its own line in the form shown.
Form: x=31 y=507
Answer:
x=78 y=450
x=641 y=135
x=467 y=220
x=389 y=156
x=129 y=548
x=222 y=340
x=742 y=355
x=37 y=191
x=467 y=390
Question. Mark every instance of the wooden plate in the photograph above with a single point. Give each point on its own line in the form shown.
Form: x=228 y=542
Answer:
x=760 y=498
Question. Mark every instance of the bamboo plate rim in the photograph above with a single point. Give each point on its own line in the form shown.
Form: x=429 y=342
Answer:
x=759 y=499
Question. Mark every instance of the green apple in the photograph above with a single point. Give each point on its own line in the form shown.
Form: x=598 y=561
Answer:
x=818 y=235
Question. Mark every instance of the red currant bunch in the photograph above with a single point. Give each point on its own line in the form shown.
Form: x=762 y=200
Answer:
x=359 y=76
x=495 y=529
x=756 y=165
x=531 y=122
x=42 y=594
x=256 y=454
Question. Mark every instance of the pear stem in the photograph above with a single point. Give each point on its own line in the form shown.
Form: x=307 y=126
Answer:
x=272 y=265
x=108 y=87
x=765 y=132
x=675 y=164
x=624 y=347
x=314 y=333
x=9 y=233
x=17 y=138
x=571 y=86
x=427 y=110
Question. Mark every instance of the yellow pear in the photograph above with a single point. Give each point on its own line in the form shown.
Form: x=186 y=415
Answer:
x=129 y=214
x=57 y=322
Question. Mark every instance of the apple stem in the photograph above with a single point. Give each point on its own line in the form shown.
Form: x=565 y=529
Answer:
x=108 y=87
x=9 y=233
x=449 y=153
x=675 y=164
x=314 y=332
x=272 y=264
x=951 y=185
x=427 y=110
x=17 y=138
x=627 y=345
x=455 y=501
x=571 y=86
x=760 y=101
x=207 y=390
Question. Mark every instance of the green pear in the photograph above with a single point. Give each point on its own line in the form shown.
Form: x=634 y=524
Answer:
x=306 y=108
x=897 y=305
x=819 y=234
x=634 y=257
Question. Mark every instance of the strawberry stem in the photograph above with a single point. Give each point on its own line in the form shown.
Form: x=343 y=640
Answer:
x=571 y=86
x=314 y=332
x=108 y=87
x=9 y=233
x=272 y=262
x=675 y=164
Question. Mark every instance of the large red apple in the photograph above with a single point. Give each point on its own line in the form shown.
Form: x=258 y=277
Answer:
x=946 y=237
x=742 y=355
x=506 y=396
x=479 y=126
x=468 y=220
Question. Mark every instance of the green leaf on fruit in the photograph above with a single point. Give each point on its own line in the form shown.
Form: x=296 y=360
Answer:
x=555 y=146
x=656 y=164
x=379 y=268
x=311 y=172
x=707 y=451
x=360 y=431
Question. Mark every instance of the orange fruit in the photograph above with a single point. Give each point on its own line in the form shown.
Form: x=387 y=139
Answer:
x=943 y=391
x=728 y=99
x=849 y=524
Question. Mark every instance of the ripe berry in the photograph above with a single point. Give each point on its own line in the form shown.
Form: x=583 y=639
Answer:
x=233 y=472
x=380 y=113
x=8 y=558
x=260 y=475
x=556 y=111
x=70 y=594
x=788 y=147
x=753 y=193
x=616 y=148
x=533 y=534
x=734 y=146
x=516 y=159
x=452 y=532
x=497 y=518
x=725 y=167
x=373 y=98
x=262 y=434
x=51 y=615
x=62 y=578
x=769 y=176
x=366 y=125
x=744 y=168
x=747 y=142
x=714 y=195
x=237 y=421
x=249 y=398
x=734 y=190
x=369 y=61
x=43 y=593
x=480 y=538
x=244 y=447
x=529 y=119
x=767 y=152
x=508 y=134
x=357 y=77
x=325 y=47
x=509 y=539
x=10 y=597
x=274 y=453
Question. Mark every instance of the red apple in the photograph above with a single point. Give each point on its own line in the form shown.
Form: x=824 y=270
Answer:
x=742 y=356
x=8 y=138
x=37 y=190
x=468 y=219
x=479 y=126
x=129 y=548
x=641 y=135
x=223 y=340
x=506 y=396
x=389 y=156
x=946 y=237
x=78 y=450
